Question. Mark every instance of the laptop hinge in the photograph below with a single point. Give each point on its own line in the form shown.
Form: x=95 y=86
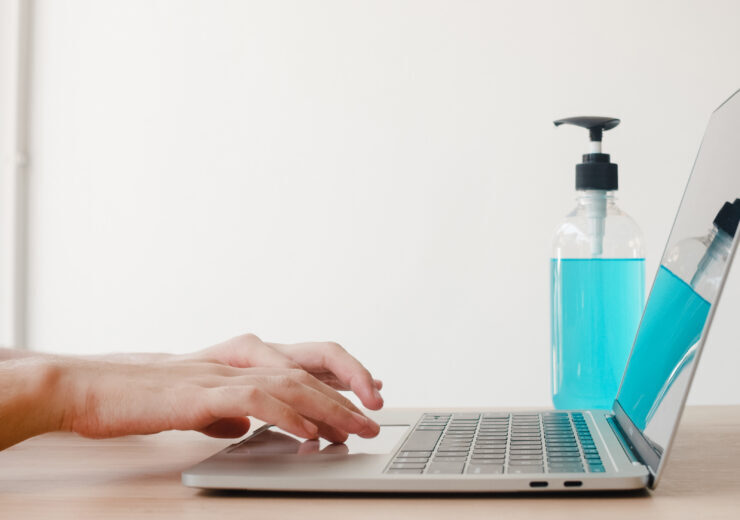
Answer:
x=626 y=445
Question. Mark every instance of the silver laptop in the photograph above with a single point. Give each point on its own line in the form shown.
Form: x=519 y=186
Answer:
x=498 y=451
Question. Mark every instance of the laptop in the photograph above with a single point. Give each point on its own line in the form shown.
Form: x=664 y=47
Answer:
x=554 y=450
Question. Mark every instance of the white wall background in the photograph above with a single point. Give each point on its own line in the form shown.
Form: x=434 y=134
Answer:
x=380 y=173
x=7 y=49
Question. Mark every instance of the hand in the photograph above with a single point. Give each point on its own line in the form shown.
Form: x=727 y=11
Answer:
x=327 y=361
x=212 y=391
x=102 y=399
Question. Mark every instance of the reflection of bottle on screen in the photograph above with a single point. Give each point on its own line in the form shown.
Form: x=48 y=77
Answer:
x=685 y=287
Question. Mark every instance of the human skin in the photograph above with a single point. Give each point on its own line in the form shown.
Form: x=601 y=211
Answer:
x=213 y=391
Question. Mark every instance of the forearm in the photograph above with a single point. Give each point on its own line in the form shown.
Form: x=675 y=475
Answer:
x=29 y=399
x=16 y=353
x=130 y=357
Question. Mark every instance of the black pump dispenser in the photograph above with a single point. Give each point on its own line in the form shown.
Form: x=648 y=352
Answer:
x=596 y=172
x=728 y=217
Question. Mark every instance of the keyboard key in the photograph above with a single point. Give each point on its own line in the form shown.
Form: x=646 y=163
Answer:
x=421 y=441
x=457 y=453
x=426 y=454
x=466 y=416
x=524 y=457
x=410 y=459
x=406 y=465
x=525 y=469
x=566 y=468
x=596 y=469
x=484 y=469
x=405 y=471
x=574 y=462
x=436 y=468
x=449 y=459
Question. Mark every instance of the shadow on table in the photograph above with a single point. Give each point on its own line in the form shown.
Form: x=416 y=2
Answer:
x=631 y=494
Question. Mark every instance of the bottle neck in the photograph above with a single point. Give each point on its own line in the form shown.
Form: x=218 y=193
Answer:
x=712 y=265
x=595 y=204
x=588 y=197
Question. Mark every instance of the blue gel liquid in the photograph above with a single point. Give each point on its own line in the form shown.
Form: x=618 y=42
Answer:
x=673 y=323
x=596 y=307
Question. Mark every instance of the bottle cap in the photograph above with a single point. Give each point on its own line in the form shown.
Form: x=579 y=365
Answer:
x=728 y=217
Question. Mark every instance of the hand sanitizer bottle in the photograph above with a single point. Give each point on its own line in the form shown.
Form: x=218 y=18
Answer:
x=597 y=274
x=685 y=288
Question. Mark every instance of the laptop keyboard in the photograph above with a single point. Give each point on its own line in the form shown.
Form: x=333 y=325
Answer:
x=490 y=443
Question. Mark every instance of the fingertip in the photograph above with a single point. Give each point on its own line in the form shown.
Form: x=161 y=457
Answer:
x=337 y=438
x=376 y=400
x=311 y=430
x=372 y=429
x=378 y=384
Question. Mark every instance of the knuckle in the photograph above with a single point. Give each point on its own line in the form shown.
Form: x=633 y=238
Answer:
x=286 y=413
x=299 y=374
x=248 y=338
x=285 y=381
x=251 y=392
x=334 y=347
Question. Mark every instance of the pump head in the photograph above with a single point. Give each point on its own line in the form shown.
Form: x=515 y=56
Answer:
x=728 y=217
x=596 y=172
x=596 y=125
x=596 y=175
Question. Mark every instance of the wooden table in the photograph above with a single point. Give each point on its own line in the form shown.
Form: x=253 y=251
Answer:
x=64 y=476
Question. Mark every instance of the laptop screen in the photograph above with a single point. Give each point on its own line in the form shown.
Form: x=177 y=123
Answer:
x=690 y=277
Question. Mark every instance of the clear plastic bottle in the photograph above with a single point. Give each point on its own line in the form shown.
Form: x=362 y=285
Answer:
x=684 y=290
x=597 y=285
x=700 y=261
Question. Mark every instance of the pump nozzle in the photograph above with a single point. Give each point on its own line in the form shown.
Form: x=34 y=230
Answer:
x=596 y=175
x=596 y=126
x=712 y=263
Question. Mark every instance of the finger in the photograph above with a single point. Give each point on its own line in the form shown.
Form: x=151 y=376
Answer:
x=228 y=428
x=316 y=406
x=285 y=379
x=239 y=401
x=331 y=434
x=250 y=351
x=330 y=379
x=299 y=375
x=322 y=357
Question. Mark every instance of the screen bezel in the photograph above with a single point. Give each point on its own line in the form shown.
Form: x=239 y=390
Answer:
x=636 y=438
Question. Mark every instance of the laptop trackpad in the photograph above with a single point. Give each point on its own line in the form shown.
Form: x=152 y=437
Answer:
x=274 y=441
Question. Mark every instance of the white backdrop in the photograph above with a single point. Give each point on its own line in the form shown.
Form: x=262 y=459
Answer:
x=384 y=174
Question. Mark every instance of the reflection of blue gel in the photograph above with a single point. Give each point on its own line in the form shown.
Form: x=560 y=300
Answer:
x=596 y=308
x=672 y=324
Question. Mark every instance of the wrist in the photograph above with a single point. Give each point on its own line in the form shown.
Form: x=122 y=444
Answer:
x=30 y=399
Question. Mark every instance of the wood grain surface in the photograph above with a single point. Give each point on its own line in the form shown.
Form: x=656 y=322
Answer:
x=67 y=477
